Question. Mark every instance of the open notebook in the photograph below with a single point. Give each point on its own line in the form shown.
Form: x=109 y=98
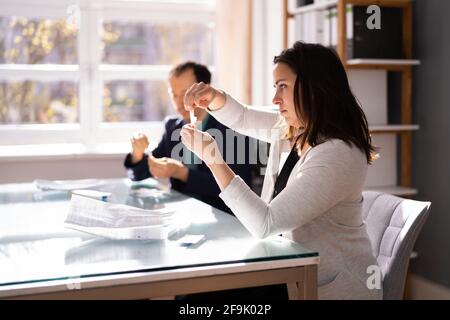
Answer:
x=118 y=221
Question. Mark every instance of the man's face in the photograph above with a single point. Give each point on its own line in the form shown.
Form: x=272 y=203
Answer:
x=178 y=85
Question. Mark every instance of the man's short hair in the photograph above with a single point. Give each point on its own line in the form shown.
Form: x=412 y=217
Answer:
x=201 y=72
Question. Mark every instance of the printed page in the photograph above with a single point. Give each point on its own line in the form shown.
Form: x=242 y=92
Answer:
x=118 y=221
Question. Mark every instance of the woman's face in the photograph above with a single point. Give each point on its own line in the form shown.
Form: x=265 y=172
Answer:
x=284 y=82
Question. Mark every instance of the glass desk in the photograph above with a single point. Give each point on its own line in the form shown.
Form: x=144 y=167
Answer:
x=42 y=259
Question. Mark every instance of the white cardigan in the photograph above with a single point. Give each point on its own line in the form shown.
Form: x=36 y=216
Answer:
x=319 y=208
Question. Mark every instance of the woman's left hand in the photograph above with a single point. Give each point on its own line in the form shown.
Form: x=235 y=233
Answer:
x=202 y=144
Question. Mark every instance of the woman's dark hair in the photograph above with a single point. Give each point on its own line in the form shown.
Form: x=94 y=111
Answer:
x=201 y=72
x=323 y=98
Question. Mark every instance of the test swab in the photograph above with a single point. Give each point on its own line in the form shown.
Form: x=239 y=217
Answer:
x=193 y=117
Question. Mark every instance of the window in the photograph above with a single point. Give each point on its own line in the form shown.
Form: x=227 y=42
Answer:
x=37 y=102
x=135 y=101
x=130 y=43
x=90 y=72
x=30 y=48
x=156 y=43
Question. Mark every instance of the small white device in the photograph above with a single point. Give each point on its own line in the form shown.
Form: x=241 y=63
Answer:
x=193 y=117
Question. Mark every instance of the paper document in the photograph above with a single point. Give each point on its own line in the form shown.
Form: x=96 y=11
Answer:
x=191 y=240
x=67 y=185
x=118 y=221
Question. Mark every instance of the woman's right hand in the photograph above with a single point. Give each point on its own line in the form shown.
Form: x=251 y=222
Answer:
x=139 y=143
x=204 y=96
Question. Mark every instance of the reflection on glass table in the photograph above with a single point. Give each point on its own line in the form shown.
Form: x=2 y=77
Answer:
x=37 y=253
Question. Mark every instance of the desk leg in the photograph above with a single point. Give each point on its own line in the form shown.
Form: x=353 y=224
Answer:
x=307 y=289
x=292 y=289
x=164 y=298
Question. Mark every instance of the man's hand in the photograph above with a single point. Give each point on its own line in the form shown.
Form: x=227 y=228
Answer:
x=167 y=168
x=139 y=143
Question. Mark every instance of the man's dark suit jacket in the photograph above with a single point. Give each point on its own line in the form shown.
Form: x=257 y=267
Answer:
x=201 y=183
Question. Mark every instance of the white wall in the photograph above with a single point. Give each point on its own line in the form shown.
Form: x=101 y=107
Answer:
x=27 y=169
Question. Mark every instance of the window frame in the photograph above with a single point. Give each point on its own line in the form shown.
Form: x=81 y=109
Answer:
x=90 y=73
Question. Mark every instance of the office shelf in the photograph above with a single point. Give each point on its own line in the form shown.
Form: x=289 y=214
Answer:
x=334 y=3
x=396 y=128
x=384 y=64
x=313 y=7
x=395 y=62
x=394 y=190
x=404 y=66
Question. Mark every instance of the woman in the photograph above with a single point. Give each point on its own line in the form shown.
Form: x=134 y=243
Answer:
x=315 y=196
